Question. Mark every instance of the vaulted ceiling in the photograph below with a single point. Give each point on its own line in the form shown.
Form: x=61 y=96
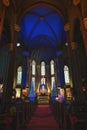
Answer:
x=42 y=29
x=41 y=26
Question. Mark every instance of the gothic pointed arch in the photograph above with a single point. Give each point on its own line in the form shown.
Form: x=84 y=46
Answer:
x=19 y=75
x=66 y=75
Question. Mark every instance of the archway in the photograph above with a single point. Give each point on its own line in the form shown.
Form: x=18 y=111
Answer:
x=42 y=35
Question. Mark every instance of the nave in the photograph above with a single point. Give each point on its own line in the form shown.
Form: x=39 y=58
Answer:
x=43 y=57
x=26 y=115
x=43 y=119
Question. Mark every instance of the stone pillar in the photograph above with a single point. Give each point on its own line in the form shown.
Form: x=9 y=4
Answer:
x=11 y=65
x=84 y=32
x=3 y=5
x=10 y=73
x=67 y=27
x=60 y=69
x=2 y=16
x=76 y=2
x=69 y=34
x=57 y=72
x=38 y=77
x=30 y=72
x=6 y=2
x=76 y=72
x=82 y=6
x=48 y=77
x=25 y=69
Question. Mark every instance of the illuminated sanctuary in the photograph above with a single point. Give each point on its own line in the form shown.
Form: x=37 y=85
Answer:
x=43 y=64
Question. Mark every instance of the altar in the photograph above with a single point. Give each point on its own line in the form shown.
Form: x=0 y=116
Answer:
x=43 y=89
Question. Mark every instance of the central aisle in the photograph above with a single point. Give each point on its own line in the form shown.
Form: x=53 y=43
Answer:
x=43 y=119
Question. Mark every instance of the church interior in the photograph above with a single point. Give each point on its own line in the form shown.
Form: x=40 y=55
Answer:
x=43 y=65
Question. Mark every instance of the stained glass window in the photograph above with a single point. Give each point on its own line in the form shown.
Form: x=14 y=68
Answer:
x=43 y=68
x=33 y=67
x=33 y=81
x=19 y=75
x=52 y=82
x=66 y=74
x=52 y=67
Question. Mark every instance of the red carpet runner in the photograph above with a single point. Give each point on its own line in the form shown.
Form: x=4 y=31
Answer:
x=43 y=119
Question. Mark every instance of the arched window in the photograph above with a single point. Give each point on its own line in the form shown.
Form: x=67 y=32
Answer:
x=52 y=73
x=43 y=68
x=52 y=81
x=19 y=75
x=66 y=74
x=33 y=67
x=52 y=67
x=33 y=81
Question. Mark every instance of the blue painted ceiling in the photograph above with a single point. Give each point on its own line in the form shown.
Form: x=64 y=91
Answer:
x=42 y=28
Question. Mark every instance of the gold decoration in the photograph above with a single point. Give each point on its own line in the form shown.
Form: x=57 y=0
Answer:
x=2 y=17
x=73 y=45
x=76 y=2
x=67 y=27
x=6 y=2
x=85 y=22
x=11 y=46
x=16 y=27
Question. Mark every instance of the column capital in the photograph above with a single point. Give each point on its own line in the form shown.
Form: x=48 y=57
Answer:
x=10 y=46
x=73 y=45
x=16 y=27
x=76 y=2
x=6 y=2
x=67 y=27
x=85 y=22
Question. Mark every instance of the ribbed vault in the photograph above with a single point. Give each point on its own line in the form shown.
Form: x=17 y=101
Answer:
x=42 y=27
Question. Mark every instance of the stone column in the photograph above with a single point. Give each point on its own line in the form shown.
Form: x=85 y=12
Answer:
x=11 y=65
x=12 y=50
x=3 y=6
x=25 y=69
x=69 y=34
x=60 y=69
x=28 y=72
x=76 y=2
x=76 y=72
x=82 y=6
x=48 y=80
x=84 y=32
x=57 y=71
x=38 y=77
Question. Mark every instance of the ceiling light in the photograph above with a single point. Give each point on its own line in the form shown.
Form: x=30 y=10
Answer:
x=18 y=44
x=66 y=44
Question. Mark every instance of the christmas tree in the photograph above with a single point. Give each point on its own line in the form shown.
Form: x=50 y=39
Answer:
x=54 y=92
x=32 y=93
